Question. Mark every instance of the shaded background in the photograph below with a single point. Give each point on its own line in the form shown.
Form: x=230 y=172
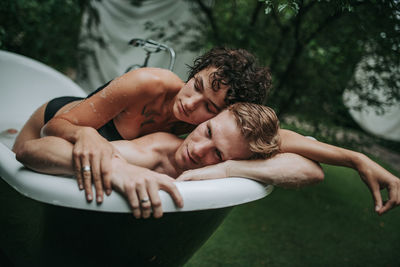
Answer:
x=318 y=52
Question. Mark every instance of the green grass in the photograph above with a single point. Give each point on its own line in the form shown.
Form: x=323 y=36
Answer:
x=329 y=224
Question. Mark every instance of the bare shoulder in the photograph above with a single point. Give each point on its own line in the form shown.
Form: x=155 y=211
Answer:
x=163 y=140
x=159 y=142
x=152 y=81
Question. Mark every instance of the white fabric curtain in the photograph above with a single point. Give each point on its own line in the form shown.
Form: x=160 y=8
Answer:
x=120 y=21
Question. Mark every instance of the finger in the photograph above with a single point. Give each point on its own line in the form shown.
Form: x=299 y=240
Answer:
x=376 y=194
x=144 y=199
x=171 y=188
x=87 y=179
x=388 y=205
x=98 y=184
x=78 y=170
x=182 y=178
x=188 y=176
x=106 y=174
x=392 y=199
x=155 y=200
x=397 y=200
x=134 y=202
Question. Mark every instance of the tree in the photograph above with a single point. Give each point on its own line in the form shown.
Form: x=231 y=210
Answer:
x=313 y=49
x=45 y=30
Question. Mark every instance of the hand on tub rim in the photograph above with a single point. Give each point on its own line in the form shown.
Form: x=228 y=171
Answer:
x=141 y=186
x=92 y=155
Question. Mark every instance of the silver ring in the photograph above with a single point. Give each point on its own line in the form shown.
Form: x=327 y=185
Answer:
x=86 y=168
x=144 y=200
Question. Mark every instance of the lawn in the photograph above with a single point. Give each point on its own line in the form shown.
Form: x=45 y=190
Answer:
x=329 y=224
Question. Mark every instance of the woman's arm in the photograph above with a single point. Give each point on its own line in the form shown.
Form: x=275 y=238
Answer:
x=53 y=155
x=373 y=175
x=78 y=125
x=133 y=88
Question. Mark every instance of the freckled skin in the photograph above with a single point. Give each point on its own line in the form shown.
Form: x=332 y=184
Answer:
x=145 y=101
x=157 y=91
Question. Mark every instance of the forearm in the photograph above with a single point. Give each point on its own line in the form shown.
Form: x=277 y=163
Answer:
x=51 y=155
x=284 y=169
x=63 y=128
x=318 y=151
x=373 y=175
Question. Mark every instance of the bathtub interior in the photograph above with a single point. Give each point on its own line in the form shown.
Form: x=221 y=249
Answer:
x=26 y=84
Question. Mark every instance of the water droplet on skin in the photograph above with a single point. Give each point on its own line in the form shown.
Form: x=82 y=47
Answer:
x=93 y=107
x=103 y=93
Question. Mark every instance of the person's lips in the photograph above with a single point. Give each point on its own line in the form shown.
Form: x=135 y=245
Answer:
x=182 y=109
x=190 y=157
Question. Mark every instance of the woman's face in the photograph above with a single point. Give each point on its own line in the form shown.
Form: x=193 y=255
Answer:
x=197 y=102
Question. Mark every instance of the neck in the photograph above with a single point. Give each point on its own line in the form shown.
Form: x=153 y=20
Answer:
x=167 y=109
x=172 y=160
x=167 y=153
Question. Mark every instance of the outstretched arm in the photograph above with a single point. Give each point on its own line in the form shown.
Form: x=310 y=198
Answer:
x=284 y=169
x=53 y=155
x=373 y=175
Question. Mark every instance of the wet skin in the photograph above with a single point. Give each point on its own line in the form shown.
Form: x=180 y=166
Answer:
x=139 y=102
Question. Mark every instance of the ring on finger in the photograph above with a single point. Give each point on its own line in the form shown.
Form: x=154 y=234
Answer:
x=86 y=168
x=144 y=200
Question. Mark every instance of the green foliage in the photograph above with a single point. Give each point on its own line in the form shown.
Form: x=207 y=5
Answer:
x=44 y=30
x=313 y=49
x=329 y=224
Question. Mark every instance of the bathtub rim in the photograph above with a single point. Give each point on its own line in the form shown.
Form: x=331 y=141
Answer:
x=63 y=191
x=41 y=67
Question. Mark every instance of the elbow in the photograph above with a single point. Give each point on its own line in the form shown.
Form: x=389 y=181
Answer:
x=318 y=174
x=47 y=128
x=25 y=153
x=22 y=152
x=313 y=173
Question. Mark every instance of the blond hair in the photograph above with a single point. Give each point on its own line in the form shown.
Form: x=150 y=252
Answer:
x=259 y=126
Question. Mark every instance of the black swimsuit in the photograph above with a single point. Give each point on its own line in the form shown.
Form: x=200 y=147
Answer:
x=108 y=130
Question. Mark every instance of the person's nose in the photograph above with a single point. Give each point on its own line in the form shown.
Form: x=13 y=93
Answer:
x=193 y=102
x=201 y=150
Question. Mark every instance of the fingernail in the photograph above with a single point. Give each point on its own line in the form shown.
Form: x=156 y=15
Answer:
x=99 y=199
x=81 y=187
x=377 y=208
x=89 y=197
x=108 y=191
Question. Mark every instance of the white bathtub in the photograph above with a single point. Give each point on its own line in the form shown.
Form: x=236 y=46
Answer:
x=59 y=211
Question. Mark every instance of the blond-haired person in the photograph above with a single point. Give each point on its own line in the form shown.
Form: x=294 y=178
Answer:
x=149 y=163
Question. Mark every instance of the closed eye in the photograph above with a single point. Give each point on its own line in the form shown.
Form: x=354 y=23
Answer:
x=211 y=109
x=197 y=85
x=218 y=153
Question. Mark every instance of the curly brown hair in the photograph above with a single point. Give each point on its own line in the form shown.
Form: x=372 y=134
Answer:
x=237 y=69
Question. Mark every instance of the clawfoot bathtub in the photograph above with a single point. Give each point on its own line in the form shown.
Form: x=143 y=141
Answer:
x=46 y=221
